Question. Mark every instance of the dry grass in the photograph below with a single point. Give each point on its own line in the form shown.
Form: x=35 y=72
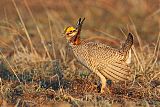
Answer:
x=38 y=68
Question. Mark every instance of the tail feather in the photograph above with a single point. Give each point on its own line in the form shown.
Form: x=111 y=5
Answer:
x=128 y=43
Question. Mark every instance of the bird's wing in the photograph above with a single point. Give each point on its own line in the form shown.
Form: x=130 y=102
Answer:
x=109 y=62
x=116 y=71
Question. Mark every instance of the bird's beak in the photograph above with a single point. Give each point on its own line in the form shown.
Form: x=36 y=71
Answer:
x=76 y=39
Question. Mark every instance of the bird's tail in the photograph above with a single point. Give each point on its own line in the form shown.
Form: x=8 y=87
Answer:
x=128 y=43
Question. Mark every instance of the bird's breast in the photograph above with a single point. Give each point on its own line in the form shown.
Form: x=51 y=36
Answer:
x=81 y=55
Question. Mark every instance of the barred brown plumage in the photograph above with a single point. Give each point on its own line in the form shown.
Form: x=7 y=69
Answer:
x=105 y=61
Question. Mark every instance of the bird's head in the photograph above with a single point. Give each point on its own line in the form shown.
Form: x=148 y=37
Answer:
x=72 y=34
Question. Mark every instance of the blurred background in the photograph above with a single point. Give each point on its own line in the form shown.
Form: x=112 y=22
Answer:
x=104 y=18
x=107 y=16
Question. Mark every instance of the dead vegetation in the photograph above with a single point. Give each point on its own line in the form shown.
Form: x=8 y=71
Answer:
x=37 y=67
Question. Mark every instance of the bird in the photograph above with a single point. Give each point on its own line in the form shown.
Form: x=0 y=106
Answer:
x=103 y=60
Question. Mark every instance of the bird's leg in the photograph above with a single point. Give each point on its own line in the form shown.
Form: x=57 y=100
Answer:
x=103 y=81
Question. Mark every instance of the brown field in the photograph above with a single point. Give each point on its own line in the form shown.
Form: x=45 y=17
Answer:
x=37 y=67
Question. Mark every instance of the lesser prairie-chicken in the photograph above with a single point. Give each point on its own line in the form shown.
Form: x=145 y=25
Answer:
x=105 y=61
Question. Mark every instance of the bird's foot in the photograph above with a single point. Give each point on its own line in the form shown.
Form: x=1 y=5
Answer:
x=105 y=90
